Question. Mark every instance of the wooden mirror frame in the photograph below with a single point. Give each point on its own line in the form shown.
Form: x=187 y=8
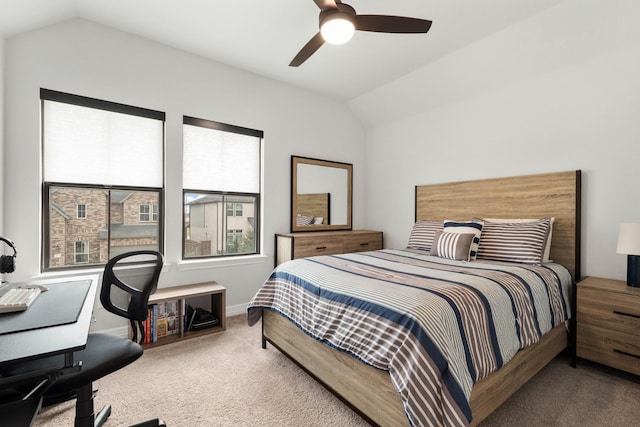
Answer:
x=295 y=199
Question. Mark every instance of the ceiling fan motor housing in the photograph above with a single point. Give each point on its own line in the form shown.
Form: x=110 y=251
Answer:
x=344 y=11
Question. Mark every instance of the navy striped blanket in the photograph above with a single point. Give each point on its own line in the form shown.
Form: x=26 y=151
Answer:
x=436 y=325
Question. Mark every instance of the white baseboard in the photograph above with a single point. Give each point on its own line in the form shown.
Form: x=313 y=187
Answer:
x=234 y=310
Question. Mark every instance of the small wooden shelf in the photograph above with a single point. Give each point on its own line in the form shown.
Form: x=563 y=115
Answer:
x=184 y=293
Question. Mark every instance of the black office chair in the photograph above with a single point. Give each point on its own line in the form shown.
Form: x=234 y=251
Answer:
x=106 y=353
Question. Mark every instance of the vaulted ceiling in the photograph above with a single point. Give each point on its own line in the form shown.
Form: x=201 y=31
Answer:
x=262 y=36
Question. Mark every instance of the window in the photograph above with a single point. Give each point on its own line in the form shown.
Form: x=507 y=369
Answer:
x=81 y=252
x=145 y=213
x=221 y=178
x=106 y=161
x=148 y=213
x=234 y=209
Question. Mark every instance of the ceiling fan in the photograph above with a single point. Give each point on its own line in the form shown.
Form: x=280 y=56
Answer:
x=338 y=22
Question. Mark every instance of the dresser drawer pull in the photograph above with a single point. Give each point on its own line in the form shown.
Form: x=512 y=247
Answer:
x=626 y=314
x=364 y=244
x=626 y=354
x=321 y=248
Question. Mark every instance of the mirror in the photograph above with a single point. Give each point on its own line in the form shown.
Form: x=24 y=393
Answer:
x=320 y=194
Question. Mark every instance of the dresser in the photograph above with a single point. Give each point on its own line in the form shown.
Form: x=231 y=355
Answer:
x=305 y=244
x=608 y=323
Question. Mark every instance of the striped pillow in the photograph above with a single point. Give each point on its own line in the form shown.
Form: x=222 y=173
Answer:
x=452 y=245
x=547 y=247
x=422 y=234
x=474 y=227
x=522 y=242
x=304 y=220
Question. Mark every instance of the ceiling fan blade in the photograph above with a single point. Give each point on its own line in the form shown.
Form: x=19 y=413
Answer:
x=326 y=4
x=308 y=50
x=391 y=24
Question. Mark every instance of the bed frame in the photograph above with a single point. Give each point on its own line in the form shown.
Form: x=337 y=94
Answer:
x=369 y=390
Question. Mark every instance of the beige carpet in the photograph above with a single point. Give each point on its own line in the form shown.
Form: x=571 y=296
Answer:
x=227 y=379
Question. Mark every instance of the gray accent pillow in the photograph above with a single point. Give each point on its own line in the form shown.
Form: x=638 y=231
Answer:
x=452 y=245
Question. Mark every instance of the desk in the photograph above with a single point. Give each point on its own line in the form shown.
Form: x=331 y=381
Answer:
x=43 y=342
x=53 y=340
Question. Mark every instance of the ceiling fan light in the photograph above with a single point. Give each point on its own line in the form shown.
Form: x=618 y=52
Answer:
x=338 y=30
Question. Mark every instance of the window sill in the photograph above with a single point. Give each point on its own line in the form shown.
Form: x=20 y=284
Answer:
x=197 y=264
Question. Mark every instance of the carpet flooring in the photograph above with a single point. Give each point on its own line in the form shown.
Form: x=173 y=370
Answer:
x=227 y=379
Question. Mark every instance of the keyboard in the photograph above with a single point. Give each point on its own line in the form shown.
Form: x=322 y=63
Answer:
x=18 y=299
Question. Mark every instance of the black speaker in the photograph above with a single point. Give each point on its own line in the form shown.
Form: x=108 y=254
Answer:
x=8 y=262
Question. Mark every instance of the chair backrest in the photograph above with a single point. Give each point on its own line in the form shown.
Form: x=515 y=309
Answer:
x=129 y=299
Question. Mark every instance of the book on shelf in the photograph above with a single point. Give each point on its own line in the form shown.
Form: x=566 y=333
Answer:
x=147 y=327
x=163 y=319
x=173 y=317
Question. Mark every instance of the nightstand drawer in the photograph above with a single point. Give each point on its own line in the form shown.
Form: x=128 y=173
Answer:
x=612 y=348
x=609 y=310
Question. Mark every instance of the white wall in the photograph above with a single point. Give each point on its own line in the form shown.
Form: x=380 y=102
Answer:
x=84 y=58
x=559 y=91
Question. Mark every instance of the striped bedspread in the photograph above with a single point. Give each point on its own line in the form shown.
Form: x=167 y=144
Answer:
x=436 y=325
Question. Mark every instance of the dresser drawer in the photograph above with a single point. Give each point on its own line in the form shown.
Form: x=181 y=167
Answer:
x=358 y=242
x=321 y=245
x=612 y=348
x=609 y=310
x=301 y=245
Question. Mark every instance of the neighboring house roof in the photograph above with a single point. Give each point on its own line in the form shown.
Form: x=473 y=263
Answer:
x=214 y=199
x=120 y=196
x=132 y=231
x=205 y=200
x=60 y=211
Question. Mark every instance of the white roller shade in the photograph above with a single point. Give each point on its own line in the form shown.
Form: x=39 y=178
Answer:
x=217 y=160
x=92 y=146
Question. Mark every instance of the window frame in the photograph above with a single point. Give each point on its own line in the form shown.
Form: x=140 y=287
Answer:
x=224 y=195
x=148 y=213
x=46 y=220
x=85 y=244
x=81 y=207
x=257 y=218
x=45 y=232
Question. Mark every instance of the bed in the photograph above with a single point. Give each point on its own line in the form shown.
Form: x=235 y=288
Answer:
x=383 y=385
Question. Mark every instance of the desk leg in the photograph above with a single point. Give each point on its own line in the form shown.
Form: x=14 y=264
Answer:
x=68 y=359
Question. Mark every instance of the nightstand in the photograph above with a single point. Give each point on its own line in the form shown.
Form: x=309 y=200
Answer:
x=608 y=323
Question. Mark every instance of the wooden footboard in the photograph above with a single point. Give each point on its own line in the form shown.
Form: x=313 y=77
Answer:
x=369 y=391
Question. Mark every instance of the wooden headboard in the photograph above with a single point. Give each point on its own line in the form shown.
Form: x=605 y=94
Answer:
x=531 y=196
x=315 y=205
